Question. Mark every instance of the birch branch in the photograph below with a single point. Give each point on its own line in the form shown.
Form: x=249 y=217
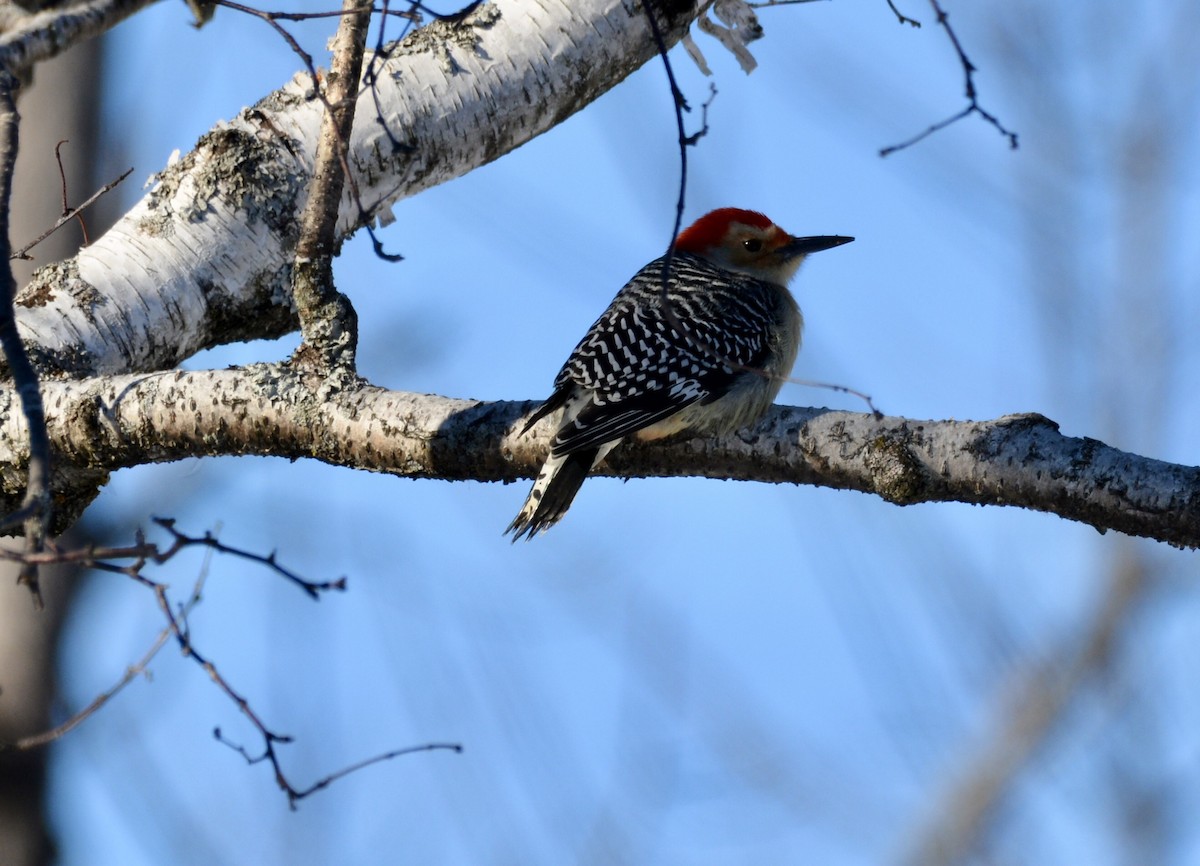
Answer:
x=102 y=424
x=205 y=257
x=328 y=322
x=34 y=37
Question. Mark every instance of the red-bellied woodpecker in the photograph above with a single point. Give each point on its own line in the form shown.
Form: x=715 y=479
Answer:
x=708 y=359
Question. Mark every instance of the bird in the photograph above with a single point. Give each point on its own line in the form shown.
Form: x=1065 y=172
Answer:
x=700 y=340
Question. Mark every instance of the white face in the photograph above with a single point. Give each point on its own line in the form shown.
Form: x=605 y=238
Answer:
x=762 y=253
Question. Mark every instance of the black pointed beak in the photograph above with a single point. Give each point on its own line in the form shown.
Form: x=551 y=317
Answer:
x=804 y=246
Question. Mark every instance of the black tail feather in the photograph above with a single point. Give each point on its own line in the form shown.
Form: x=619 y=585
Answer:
x=545 y=507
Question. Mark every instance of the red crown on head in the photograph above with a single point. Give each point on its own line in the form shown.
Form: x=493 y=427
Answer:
x=710 y=229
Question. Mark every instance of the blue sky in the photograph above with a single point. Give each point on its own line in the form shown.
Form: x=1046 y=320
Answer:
x=683 y=671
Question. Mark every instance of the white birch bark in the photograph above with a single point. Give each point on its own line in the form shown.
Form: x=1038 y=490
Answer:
x=204 y=257
x=111 y=422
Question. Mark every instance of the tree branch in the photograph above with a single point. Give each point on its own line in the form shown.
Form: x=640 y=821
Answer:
x=103 y=424
x=164 y=283
x=69 y=214
x=969 y=70
x=34 y=513
x=327 y=319
x=49 y=33
x=1035 y=706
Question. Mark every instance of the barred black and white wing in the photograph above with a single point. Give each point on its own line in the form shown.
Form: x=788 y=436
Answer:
x=649 y=357
x=659 y=363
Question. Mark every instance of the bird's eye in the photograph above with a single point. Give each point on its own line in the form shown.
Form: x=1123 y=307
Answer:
x=752 y=245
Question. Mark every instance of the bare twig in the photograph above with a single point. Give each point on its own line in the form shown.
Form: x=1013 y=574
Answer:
x=327 y=320
x=131 y=673
x=139 y=555
x=52 y=31
x=412 y=14
x=312 y=589
x=34 y=741
x=142 y=552
x=62 y=177
x=901 y=17
x=355 y=11
x=296 y=794
x=68 y=215
x=685 y=140
x=272 y=19
x=34 y=512
x=973 y=106
x=271 y=739
x=382 y=52
x=386 y=756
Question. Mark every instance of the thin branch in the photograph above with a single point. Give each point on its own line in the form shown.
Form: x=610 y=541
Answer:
x=272 y=20
x=68 y=215
x=386 y=756
x=973 y=106
x=901 y=17
x=131 y=673
x=270 y=738
x=141 y=554
x=62 y=177
x=45 y=738
x=327 y=320
x=312 y=589
x=356 y=11
x=296 y=794
x=442 y=136
x=34 y=512
x=48 y=33
x=411 y=15
x=921 y=136
x=685 y=141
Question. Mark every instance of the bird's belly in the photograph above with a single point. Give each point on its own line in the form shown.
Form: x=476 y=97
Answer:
x=677 y=423
x=739 y=408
